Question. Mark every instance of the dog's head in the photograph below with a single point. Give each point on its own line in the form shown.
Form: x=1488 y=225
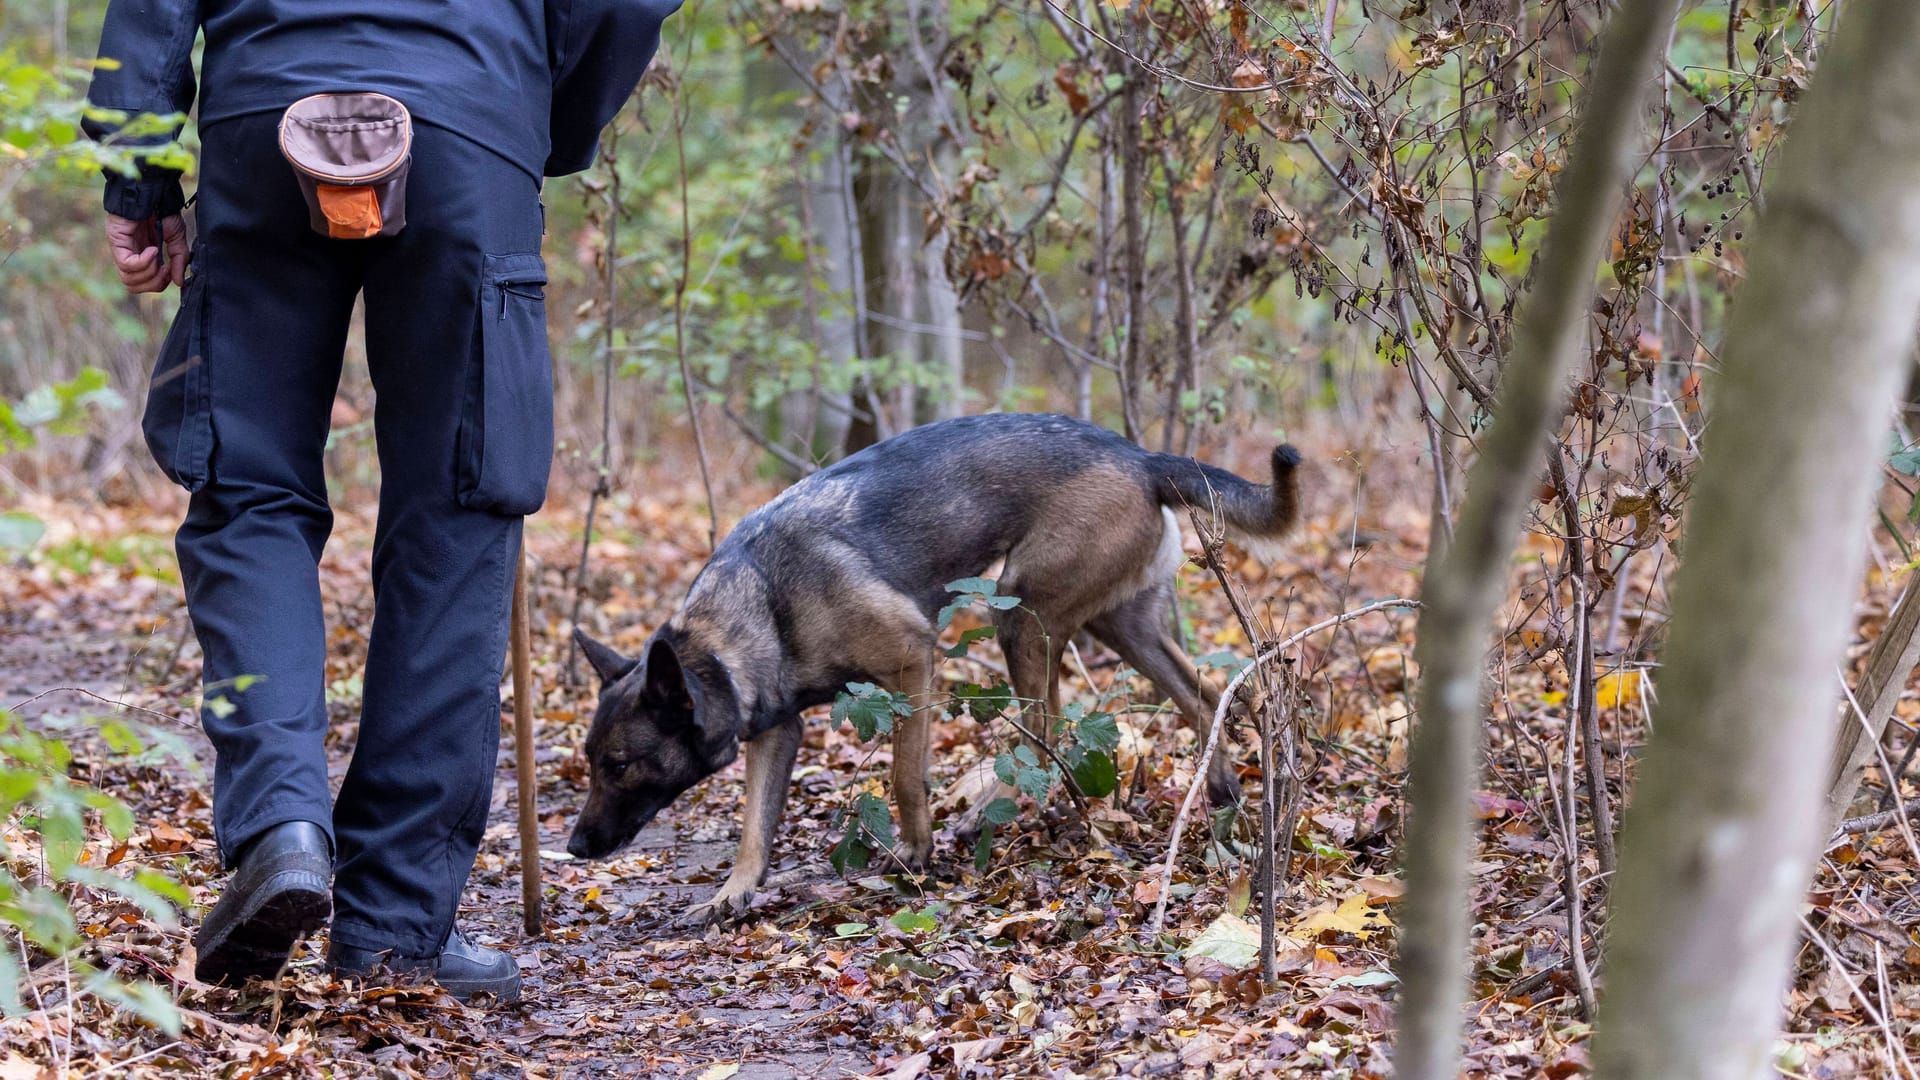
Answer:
x=666 y=721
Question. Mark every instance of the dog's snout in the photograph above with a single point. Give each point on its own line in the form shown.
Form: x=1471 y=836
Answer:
x=578 y=847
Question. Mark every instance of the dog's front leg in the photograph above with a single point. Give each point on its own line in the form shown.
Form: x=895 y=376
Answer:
x=769 y=775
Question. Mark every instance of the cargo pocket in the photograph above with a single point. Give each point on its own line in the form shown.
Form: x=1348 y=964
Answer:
x=178 y=421
x=505 y=448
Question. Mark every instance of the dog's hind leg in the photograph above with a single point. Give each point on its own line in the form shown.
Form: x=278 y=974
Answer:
x=1140 y=630
x=770 y=759
x=1033 y=665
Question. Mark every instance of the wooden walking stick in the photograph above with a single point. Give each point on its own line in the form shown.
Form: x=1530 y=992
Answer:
x=521 y=646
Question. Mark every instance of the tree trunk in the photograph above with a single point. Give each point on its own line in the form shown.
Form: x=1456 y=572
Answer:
x=1465 y=587
x=812 y=423
x=1721 y=838
x=915 y=308
x=1857 y=741
x=941 y=347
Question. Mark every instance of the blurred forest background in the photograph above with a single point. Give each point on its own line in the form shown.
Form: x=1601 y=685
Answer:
x=1323 y=217
x=1209 y=224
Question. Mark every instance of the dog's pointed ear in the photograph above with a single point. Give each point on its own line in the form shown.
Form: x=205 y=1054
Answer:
x=666 y=679
x=606 y=661
x=674 y=689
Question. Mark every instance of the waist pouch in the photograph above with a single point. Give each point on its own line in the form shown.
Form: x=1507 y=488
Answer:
x=350 y=153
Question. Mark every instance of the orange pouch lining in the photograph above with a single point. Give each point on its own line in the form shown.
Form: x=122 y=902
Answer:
x=352 y=213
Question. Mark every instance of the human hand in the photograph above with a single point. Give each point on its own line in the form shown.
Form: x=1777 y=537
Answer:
x=136 y=252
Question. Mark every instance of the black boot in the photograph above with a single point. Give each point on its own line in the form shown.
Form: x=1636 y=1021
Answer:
x=279 y=894
x=463 y=968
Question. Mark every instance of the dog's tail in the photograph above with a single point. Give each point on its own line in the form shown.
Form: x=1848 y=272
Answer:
x=1255 y=515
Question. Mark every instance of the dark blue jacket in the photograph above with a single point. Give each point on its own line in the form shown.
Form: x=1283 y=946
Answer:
x=531 y=80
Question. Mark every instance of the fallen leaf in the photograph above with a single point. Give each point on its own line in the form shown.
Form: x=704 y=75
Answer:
x=1617 y=689
x=1487 y=805
x=1353 y=916
x=1229 y=939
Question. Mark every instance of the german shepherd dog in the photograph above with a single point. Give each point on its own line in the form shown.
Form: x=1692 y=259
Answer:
x=839 y=578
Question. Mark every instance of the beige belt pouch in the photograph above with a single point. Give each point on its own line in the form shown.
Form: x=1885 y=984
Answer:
x=350 y=152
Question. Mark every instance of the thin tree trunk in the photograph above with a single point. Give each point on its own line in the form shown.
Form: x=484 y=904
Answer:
x=1463 y=590
x=1894 y=654
x=1133 y=167
x=1722 y=835
x=813 y=422
x=942 y=346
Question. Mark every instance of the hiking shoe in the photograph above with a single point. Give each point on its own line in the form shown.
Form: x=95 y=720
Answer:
x=463 y=969
x=277 y=896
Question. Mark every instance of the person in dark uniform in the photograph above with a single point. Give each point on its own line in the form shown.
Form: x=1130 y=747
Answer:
x=501 y=93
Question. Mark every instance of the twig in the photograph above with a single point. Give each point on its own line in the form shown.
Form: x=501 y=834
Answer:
x=759 y=438
x=1867 y=823
x=17 y=706
x=680 y=315
x=1892 y=794
x=1271 y=854
x=520 y=639
x=1567 y=809
x=1219 y=722
x=1587 y=708
x=602 y=481
x=1896 y=1053
x=1906 y=831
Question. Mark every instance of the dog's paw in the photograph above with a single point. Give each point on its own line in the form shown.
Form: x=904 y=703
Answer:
x=910 y=857
x=728 y=905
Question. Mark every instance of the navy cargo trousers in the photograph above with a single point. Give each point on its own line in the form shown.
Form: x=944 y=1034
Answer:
x=238 y=414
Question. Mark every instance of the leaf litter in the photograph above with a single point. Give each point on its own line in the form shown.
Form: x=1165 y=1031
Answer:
x=1037 y=966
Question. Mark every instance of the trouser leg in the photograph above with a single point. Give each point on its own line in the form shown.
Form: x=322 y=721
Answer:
x=273 y=303
x=451 y=326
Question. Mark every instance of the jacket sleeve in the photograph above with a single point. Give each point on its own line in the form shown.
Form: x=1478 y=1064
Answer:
x=151 y=45
x=597 y=49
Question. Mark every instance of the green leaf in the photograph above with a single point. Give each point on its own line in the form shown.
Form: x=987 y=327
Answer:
x=915 y=922
x=983 y=850
x=1224 y=660
x=1035 y=782
x=870 y=709
x=41 y=915
x=1098 y=732
x=1004 y=767
x=1906 y=462
x=968 y=637
x=974 y=589
x=143 y=999
x=876 y=820
x=1001 y=811
x=851 y=853
x=985 y=703
x=139 y=889
x=982 y=586
x=20 y=530
x=900 y=961
x=11 y=977
x=1229 y=939
x=1096 y=776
